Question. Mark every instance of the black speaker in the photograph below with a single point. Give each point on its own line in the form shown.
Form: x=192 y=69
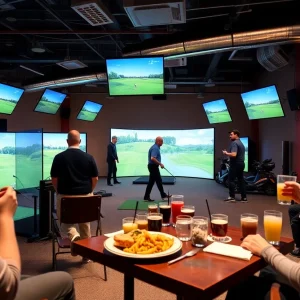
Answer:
x=159 y=97
x=286 y=157
x=3 y=125
x=294 y=99
x=65 y=112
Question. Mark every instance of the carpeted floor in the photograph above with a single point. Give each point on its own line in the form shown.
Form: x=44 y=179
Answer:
x=36 y=257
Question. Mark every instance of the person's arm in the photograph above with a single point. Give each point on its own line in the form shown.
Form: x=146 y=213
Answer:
x=94 y=182
x=110 y=152
x=55 y=172
x=94 y=173
x=54 y=183
x=9 y=279
x=233 y=151
x=154 y=154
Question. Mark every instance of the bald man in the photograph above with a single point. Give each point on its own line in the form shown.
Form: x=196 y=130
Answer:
x=154 y=162
x=74 y=173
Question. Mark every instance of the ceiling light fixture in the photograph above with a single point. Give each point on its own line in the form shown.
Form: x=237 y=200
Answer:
x=38 y=48
x=209 y=83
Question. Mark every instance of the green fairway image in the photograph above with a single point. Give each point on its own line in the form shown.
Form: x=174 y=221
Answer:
x=245 y=141
x=265 y=111
x=6 y=107
x=217 y=111
x=89 y=111
x=187 y=153
x=50 y=102
x=9 y=97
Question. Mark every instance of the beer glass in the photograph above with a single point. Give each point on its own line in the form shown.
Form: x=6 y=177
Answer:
x=165 y=210
x=142 y=221
x=249 y=224
x=273 y=225
x=154 y=221
x=188 y=210
x=152 y=208
x=219 y=226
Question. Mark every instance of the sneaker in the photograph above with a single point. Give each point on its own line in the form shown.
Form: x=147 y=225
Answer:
x=148 y=199
x=165 y=197
x=85 y=260
x=243 y=200
x=229 y=199
x=296 y=252
x=74 y=239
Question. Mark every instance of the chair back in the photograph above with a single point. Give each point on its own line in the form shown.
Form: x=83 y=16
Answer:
x=80 y=209
x=275 y=293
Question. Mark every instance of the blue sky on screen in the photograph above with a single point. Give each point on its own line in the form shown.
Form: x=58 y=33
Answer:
x=183 y=137
x=54 y=96
x=27 y=139
x=261 y=96
x=215 y=106
x=7 y=139
x=10 y=93
x=92 y=106
x=136 y=66
x=60 y=139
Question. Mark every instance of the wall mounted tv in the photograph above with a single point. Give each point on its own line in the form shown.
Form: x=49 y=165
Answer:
x=89 y=111
x=217 y=112
x=263 y=103
x=245 y=141
x=50 y=102
x=9 y=98
x=135 y=76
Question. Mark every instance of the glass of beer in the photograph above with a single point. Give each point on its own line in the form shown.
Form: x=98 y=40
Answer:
x=281 y=179
x=128 y=224
x=273 y=225
x=154 y=221
x=152 y=208
x=184 y=227
x=177 y=201
x=165 y=210
x=188 y=210
x=219 y=226
x=249 y=224
x=142 y=221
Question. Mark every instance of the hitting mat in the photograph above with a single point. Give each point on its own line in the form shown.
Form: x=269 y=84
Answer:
x=165 y=180
x=130 y=204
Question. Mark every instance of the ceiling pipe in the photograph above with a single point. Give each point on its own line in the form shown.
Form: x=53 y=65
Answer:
x=229 y=42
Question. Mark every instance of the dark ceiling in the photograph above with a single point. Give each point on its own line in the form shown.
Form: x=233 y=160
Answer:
x=24 y=23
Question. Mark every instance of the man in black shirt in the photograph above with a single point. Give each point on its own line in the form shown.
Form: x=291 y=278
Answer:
x=74 y=173
x=236 y=155
x=112 y=160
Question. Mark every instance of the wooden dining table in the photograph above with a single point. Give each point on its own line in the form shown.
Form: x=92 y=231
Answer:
x=203 y=276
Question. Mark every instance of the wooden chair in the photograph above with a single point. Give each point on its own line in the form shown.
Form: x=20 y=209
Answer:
x=274 y=292
x=75 y=210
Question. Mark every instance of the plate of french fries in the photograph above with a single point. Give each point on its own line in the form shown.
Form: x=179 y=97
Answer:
x=143 y=244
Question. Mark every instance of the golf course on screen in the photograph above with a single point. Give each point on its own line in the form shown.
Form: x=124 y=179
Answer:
x=245 y=141
x=135 y=76
x=9 y=97
x=50 y=102
x=188 y=153
x=89 y=111
x=263 y=103
x=217 y=111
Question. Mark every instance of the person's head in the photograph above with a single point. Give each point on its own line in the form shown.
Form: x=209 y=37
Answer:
x=73 y=138
x=114 y=139
x=159 y=141
x=234 y=134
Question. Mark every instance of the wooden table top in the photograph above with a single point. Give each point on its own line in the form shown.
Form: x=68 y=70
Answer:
x=204 y=275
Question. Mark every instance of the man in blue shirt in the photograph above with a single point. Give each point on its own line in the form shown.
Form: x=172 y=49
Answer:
x=154 y=162
x=112 y=160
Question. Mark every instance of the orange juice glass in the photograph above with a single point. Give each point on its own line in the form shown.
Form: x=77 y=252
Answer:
x=128 y=224
x=273 y=226
x=281 y=179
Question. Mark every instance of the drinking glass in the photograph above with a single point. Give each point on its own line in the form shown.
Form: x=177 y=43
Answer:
x=249 y=224
x=184 y=227
x=219 y=226
x=188 y=210
x=273 y=225
x=199 y=231
x=142 y=221
x=165 y=210
x=281 y=179
x=152 y=208
x=154 y=221
x=177 y=201
x=128 y=224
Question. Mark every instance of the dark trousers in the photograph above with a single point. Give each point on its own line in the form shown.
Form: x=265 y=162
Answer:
x=154 y=177
x=237 y=171
x=294 y=213
x=112 y=169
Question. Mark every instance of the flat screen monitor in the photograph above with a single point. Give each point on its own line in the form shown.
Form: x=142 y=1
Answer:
x=245 y=141
x=89 y=111
x=263 y=103
x=187 y=153
x=50 y=102
x=9 y=98
x=135 y=76
x=217 y=112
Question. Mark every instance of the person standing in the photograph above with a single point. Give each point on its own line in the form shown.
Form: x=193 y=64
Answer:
x=154 y=162
x=74 y=173
x=112 y=160
x=236 y=156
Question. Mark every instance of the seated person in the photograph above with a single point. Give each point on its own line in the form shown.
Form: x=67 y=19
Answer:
x=50 y=286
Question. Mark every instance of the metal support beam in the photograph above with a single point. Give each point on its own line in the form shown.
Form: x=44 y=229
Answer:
x=213 y=66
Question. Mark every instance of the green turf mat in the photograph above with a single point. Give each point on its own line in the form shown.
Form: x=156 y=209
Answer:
x=130 y=204
x=23 y=212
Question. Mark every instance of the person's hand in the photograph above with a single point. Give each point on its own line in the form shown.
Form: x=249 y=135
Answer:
x=224 y=152
x=162 y=166
x=8 y=202
x=292 y=189
x=255 y=243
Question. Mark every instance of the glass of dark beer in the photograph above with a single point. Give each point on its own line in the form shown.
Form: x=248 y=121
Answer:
x=155 y=221
x=165 y=210
x=188 y=210
x=219 y=226
x=249 y=224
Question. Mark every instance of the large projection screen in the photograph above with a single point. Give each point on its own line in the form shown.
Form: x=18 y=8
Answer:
x=187 y=153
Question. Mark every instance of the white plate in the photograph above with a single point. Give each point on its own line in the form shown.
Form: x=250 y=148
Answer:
x=177 y=245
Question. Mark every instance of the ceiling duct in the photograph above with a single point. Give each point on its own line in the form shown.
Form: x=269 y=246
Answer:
x=272 y=58
x=230 y=42
x=172 y=63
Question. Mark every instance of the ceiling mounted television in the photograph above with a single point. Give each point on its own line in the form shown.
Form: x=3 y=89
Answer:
x=50 y=102
x=135 y=76
x=89 y=111
x=9 y=98
x=263 y=103
x=217 y=112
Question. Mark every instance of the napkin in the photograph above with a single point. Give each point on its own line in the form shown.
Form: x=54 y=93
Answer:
x=114 y=233
x=228 y=250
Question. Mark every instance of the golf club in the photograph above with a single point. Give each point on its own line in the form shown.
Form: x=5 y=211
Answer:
x=169 y=172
